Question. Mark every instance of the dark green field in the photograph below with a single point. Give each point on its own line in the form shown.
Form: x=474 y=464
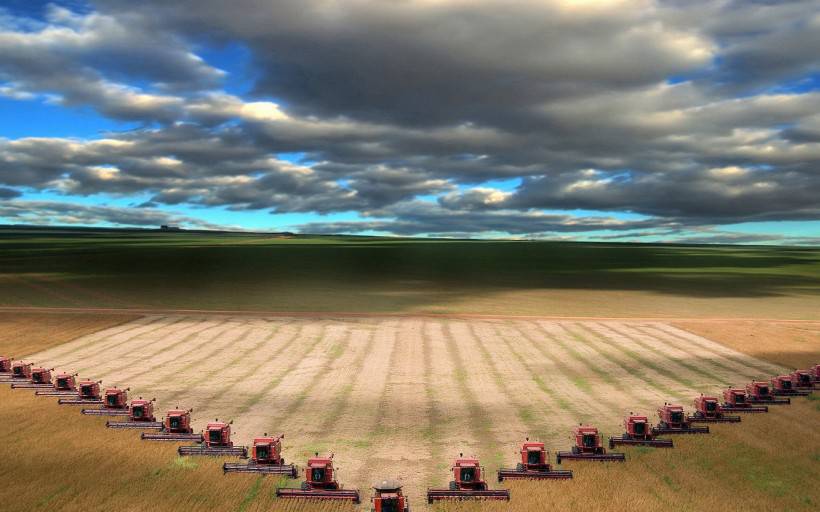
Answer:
x=99 y=268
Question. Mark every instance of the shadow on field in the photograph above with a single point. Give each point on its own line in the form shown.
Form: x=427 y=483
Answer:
x=385 y=275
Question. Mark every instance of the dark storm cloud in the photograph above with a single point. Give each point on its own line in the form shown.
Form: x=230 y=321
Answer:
x=390 y=101
x=9 y=193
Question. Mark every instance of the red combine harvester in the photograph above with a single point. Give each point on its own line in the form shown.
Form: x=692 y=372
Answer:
x=734 y=400
x=40 y=379
x=388 y=497
x=320 y=483
x=588 y=446
x=782 y=385
x=88 y=393
x=757 y=392
x=217 y=442
x=534 y=465
x=115 y=403
x=64 y=385
x=639 y=433
x=672 y=420
x=266 y=457
x=467 y=484
x=5 y=367
x=177 y=427
x=802 y=379
x=815 y=374
x=20 y=372
x=140 y=416
x=708 y=410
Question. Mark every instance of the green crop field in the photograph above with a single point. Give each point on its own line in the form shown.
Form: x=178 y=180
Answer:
x=98 y=268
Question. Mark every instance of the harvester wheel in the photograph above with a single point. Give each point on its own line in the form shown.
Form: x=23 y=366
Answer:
x=576 y=450
x=453 y=486
x=305 y=486
x=519 y=467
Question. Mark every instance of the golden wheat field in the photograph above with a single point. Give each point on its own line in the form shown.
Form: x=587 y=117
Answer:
x=400 y=398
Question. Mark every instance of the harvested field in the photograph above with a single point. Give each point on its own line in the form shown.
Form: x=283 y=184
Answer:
x=400 y=397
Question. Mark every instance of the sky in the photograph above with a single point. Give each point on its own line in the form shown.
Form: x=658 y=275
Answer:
x=693 y=121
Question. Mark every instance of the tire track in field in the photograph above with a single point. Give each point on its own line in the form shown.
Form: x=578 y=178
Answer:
x=478 y=416
x=98 y=349
x=627 y=376
x=176 y=369
x=716 y=360
x=353 y=427
x=86 y=341
x=131 y=345
x=177 y=338
x=611 y=394
x=614 y=355
x=530 y=359
x=530 y=382
x=573 y=390
x=662 y=350
x=242 y=390
x=284 y=393
x=728 y=353
x=533 y=423
x=454 y=426
x=258 y=338
x=402 y=414
x=162 y=360
x=680 y=388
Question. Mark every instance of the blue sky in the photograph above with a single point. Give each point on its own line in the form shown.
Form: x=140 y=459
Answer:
x=664 y=126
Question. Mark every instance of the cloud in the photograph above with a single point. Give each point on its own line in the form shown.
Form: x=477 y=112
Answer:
x=9 y=193
x=407 y=112
x=61 y=213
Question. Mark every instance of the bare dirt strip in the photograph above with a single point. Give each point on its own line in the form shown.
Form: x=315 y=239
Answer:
x=402 y=396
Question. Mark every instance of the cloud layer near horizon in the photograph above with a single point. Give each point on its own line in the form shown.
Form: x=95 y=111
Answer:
x=680 y=115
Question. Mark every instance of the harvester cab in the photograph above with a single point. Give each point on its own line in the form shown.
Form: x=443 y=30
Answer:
x=88 y=392
x=140 y=416
x=802 y=379
x=734 y=400
x=708 y=410
x=387 y=497
x=757 y=392
x=534 y=464
x=175 y=427
x=65 y=382
x=41 y=376
x=115 y=403
x=116 y=398
x=266 y=457
x=320 y=483
x=216 y=442
x=40 y=379
x=588 y=446
x=639 y=432
x=672 y=420
x=20 y=370
x=467 y=483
